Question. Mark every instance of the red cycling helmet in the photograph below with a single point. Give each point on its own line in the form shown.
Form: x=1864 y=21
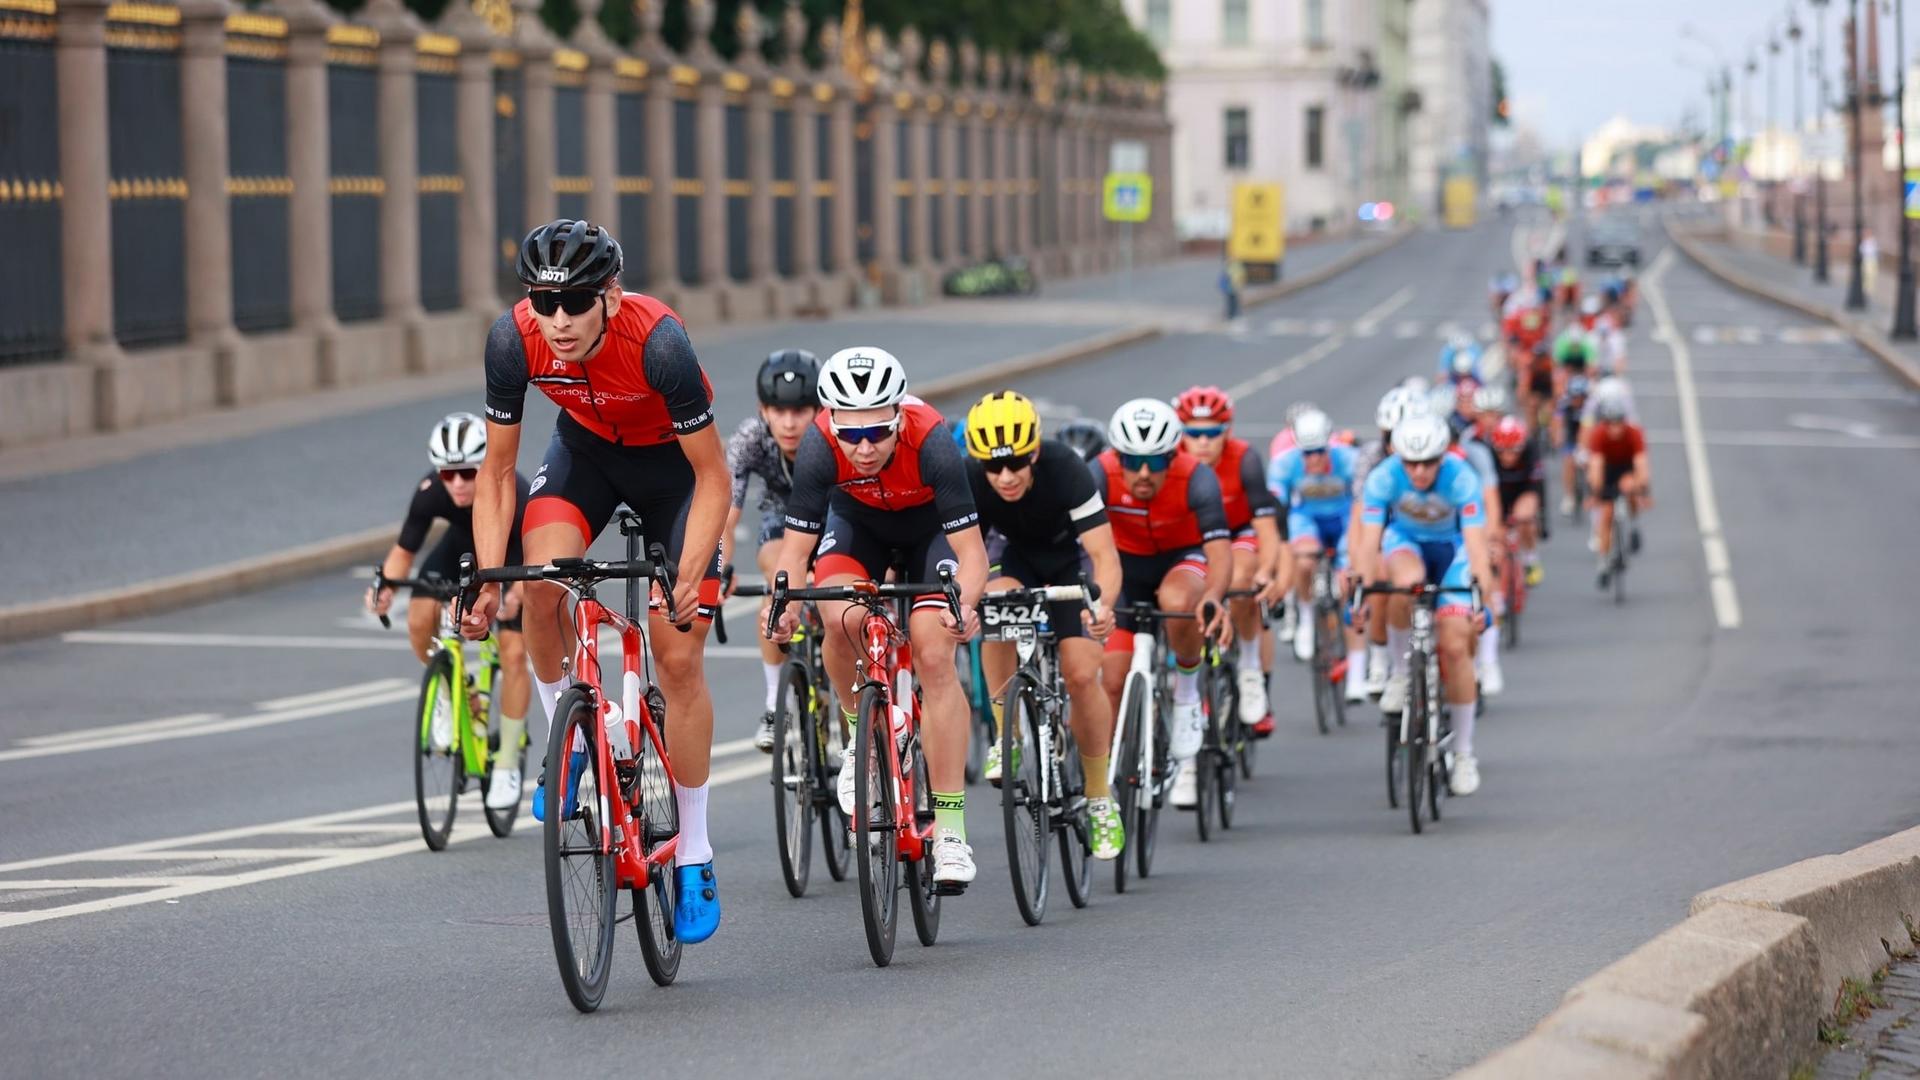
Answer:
x=1509 y=434
x=1204 y=403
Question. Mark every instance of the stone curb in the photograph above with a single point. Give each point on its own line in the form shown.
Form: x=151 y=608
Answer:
x=1737 y=990
x=1266 y=294
x=1867 y=336
x=1059 y=356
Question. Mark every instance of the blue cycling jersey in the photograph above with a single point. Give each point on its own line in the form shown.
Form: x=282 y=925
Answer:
x=1316 y=494
x=1438 y=513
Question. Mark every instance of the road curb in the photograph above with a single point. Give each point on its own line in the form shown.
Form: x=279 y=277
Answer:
x=44 y=617
x=1058 y=356
x=1266 y=294
x=1865 y=335
x=1739 y=988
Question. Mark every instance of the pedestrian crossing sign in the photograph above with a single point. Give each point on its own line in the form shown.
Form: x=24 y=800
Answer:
x=1913 y=193
x=1127 y=196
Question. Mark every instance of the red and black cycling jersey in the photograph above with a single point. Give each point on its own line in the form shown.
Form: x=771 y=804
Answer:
x=1186 y=513
x=925 y=470
x=643 y=388
x=1243 y=486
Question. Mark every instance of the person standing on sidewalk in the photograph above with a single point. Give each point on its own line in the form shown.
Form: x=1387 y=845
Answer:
x=1869 y=263
x=635 y=427
x=1233 y=279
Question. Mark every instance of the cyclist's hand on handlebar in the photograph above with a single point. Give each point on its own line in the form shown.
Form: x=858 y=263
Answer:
x=784 y=626
x=1099 y=629
x=726 y=582
x=686 y=600
x=379 y=601
x=966 y=627
x=1271 y=589
x=1215 y=622
x=479 y=620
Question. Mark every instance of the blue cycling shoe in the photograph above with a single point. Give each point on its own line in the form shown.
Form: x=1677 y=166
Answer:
x=576 y=764
x=696 y=903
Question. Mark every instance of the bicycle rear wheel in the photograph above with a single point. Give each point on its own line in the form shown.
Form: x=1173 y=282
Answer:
x=1336 y=629
x=836 y=847
x=1128 y=781
x=875 y=848
x=1070 y=823
x=923 y=896
x=582 y=885
x=1023 y=802
x=1158 y=781
x=659 y=822
x=1621 y=534
x=438 y=774
x=1226 y=700
x=1417 y=749
x=500 y=821
x=1395 y=762
x=795 y=769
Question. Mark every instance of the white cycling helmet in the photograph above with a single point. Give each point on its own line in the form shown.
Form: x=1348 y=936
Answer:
x=1416 y=385
x=1491 y=398
x=1393 y=406
x=862 y=377
x=1312 y=430
x=1144 y=426
x=1421 y=437
x=1298 y=409
x=1442 y=400
x=458 y=441
x=1590 y=305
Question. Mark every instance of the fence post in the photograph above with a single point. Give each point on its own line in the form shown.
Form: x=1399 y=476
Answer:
x=209 y=224
x=601 y=132
x=663 y=267
x=846 y=247
x=536 y=45
x=86 y=237
x=473 y=119
x=400 y=169
x=802 y=122
x=309 y=209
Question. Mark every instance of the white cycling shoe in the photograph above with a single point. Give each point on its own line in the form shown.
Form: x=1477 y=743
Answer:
x=952 y=859
x=1377 y=669
x=503 y=790
x=1493 y=682
x=1186 y=786
x=1463 y=778
x=1253 y=697
x=1356 y=682
x=1188 y=727
x=1289 y=622
x=845 y=789
x=1393 y=700
x=1303 y=641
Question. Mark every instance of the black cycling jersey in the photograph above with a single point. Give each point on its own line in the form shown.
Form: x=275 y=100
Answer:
x=1061 y=504
x=432 y=502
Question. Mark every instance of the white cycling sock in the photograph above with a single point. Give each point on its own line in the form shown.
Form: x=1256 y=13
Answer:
x=1376 y=655
x=1186 y=684
x=512 y=730
x=1397 y=650
x=1490 y=645
x=773 y=683
x=693 y=848
x=1250 y=653
x=1463 y=716
x=550 y=693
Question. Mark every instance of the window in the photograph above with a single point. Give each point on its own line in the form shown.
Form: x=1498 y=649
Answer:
x=1160 y=22
x=1316 y=24
x=1316 y=135
x=1233 y=22
x=1238 y=152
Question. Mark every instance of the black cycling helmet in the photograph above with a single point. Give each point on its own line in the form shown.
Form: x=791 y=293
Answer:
x=567 y=254
x=789 y=377
x=1087 y=437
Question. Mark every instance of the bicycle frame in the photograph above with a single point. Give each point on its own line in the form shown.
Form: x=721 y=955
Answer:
x=889 y=665
x=1146 y=646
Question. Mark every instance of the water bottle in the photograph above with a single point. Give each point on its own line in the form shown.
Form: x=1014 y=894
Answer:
x=616 y=722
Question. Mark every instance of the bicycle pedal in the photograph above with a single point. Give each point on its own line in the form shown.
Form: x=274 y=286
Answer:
x=949 y=888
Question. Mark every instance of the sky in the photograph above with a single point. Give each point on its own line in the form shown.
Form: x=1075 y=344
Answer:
x=1574 y=64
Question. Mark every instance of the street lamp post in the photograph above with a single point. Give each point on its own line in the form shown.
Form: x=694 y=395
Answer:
x=1773 y=129
x=1856 y=293
x=1819 y=165
x=1903 y=323
x=1799 y=203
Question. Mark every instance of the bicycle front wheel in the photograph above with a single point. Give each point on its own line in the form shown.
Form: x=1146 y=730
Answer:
x=831 y=752
x=1159 y=771
x=581 y=881
x=1129 y=779
x=1622 y=529
x=875 y=846
x=795 y=768
x=659 y=822
x=1023 y=800
x=501 y=821
x=1417 y=749
x=923 y=895
x=1070 y=823
x=439 y=770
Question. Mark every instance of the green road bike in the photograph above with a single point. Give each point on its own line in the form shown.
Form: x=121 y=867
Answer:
x=458 y=731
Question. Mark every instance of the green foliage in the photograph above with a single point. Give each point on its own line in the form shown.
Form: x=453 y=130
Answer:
x=1502 y=109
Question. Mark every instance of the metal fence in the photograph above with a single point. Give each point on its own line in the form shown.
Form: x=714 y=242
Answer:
x=936 y=199
x=990 y=206
x=31 y=323
x=440 y=185
x=823 y=174
x=735 y=190
x=354 y=181
x=147 y=186
x=570 y=182
x=963 y=194
x=634 y=187
x=783 y=192
x=865 y=198
x=686 y=190
x=259 y=189
x=509 y=201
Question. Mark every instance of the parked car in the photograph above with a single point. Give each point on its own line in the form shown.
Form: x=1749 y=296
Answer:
x=1613 y=241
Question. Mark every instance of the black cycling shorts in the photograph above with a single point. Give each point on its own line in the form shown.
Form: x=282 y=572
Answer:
x=1035 y=569
x=1141 y=575
x=868 y=543
x=443 y=562
x=1611 y=475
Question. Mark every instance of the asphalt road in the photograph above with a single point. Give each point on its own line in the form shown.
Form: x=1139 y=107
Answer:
x=1641 y=753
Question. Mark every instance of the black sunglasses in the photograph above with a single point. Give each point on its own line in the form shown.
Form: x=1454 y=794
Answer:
x=1150 y=462
x=1000 y=465
x=448 y=476
x=571 y=301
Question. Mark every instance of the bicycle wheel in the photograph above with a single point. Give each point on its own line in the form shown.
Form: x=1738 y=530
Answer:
x=1516 y=583
x=1621 y=530
x=923 y=896
x=1395 y=762
x=795 y=769
x=500 y=821
x=1417 y=766
x=438 y=775
x=967 y=663
x=582 y=885
x=659 y=822
x=1070 y=823
x=1129 y=782
x=1023 y=800
x=1226 y=702
x=830 y=744
x=1160 y=781
x=1336 y=631
x=875 y=850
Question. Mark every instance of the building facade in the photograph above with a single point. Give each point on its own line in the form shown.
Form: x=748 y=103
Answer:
x=1274 y=90
x=1452 y=71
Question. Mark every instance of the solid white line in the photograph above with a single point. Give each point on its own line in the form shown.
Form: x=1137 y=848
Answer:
x=241 y=723
x=1782 y=391
x=1367 y=324
x=1285 y=368
x=344 y=829
x=1812 y=440
x=229 y=641
x=218 y=854
x=1706 y=509
x=89 y=734
x=337 y=693
x=108 y=854
x=41 y=884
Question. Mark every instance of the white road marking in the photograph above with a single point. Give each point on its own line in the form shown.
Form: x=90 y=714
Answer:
x=352 y=690
x=1706 y=508
x=1406 y=329
x=215 y=726
x=1274 y=374
x=1856 y=428
x=1369 y=323
x=1791 y=440
x=89 y=734
x=230 y=641
x=1786 y=391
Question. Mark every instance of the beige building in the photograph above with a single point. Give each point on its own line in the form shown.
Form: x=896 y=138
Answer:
x=1452 y=71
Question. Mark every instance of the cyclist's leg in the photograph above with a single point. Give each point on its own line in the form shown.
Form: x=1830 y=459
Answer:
x=423 y=622
x=572 y=502
x=1455 y=625
x=1604 y=494
x=1304 y=540
x=1404 y=568
x=516 y=690
x=772 y=533
x=1526 y=518
x=1245 y=610
x=848 y=552
x=1139 y=577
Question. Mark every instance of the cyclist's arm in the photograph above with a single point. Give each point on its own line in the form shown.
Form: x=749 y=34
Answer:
x=1209 y=511
x=945 y=471
x=1370 y=519
x=496 y=494
x=806 y=512
x=1097 y=542
x=674 y=372
x=1266 y=510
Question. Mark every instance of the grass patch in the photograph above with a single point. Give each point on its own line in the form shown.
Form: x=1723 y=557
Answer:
x=1857 y=999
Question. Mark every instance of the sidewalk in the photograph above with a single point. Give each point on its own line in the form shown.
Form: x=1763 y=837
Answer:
x=101 y=515
x=1783 y=282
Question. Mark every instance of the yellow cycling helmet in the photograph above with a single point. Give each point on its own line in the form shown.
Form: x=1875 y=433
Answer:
x=1002 y=424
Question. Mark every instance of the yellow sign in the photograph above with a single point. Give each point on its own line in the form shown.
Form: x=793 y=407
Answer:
x=1458 y=201
x=1127 y=196
x=1259 y=233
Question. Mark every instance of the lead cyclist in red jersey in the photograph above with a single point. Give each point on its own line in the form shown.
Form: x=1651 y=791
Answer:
x=635 y=426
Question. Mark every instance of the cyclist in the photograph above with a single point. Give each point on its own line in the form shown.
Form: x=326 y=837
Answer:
x=1459 y=360
x=635 y=426
x=1569 y=414
x=763 y=446
x=1289 y=603
x=1315 y=480
x=1170 y=524
x=1569 y=288
x=878 y=473
x=1522 y=482
x=1591 y=307
x=1048 y=526
x=1617 y=465
x=456 y=447
x=1500 y=289
x=1392 y=407
x=1467 y=442
x=1259 y=556
x=1423 y=519
x=1086 y=437
x=1573 y=349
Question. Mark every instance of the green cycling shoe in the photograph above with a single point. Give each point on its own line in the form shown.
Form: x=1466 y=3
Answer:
x=1106 y=833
